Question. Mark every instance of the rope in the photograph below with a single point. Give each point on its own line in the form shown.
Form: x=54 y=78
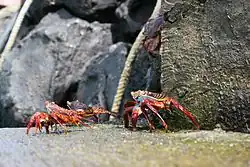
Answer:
x=15 y=31
x=128 y=64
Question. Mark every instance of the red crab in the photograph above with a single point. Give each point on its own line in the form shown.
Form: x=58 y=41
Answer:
x=76 y=113
x=145 y=101
x=61 y=116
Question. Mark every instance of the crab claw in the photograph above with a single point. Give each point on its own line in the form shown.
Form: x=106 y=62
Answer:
x=186 y=112
x=36 y=119
x=33 y=120
x=136 y=112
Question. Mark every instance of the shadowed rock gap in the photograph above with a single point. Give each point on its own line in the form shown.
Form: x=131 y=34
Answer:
x=68 y=95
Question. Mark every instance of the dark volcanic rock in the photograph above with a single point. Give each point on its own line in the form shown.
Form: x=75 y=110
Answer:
x=205 y=51
x=132 y=14
x=90 y=10
x=100 y=10
x=126 y=16
x=101 y=75
x=135 y=12
x=46 y=63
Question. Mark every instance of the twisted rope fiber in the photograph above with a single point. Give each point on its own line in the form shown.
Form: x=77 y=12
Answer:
x=129 y=62
x=15 y=31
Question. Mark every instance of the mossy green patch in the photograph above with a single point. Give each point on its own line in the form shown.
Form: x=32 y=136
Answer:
x=184 y=149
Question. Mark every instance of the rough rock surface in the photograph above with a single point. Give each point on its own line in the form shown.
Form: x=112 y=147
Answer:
x=112 y=145
x=205 y=51
x=46 y=63
x=100 y=78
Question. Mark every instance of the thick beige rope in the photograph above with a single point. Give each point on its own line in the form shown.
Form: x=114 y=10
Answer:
x=128 y=64
x=15 y=31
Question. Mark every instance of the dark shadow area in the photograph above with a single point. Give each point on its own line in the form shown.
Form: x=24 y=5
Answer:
x=69 y=95
x=100 y=13
x=140 y=11
x=121 y=33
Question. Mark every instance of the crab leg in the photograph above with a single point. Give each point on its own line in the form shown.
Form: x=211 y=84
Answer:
x=129 y=105
x=38 y=125
x=186 y=112
x=137 y=111
x=135 y=114
x=151 y=126
x=147 y=103
x=129 y=108
x=54 y=116
x=47 y=129
x=31 y=122
x=97 y=118
x=85 y=119
x=126 y=116
x=79 y=121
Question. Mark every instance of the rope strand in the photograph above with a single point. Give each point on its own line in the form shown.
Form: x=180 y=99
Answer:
x=14 y=31
x=128 y=64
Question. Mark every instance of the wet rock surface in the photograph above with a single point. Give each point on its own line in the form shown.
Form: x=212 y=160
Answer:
x=205 y=52
x=112 y=145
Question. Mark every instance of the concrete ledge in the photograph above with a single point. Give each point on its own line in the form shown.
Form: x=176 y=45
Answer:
x=112 y=145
